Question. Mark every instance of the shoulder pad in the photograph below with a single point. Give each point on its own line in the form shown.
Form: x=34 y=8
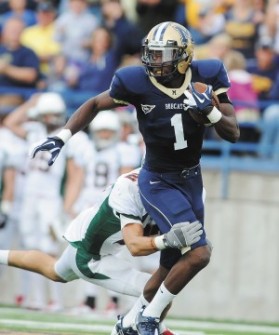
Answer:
x=211 y=72
x=134 y=78
x=207 y=68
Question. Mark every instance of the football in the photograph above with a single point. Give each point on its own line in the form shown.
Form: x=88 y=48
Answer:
x=200 y=118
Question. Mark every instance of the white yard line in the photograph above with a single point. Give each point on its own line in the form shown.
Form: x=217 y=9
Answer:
x=198 y=326
x=209 y=325
x=71 y=326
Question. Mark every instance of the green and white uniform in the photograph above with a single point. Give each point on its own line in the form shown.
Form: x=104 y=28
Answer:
x=95 y=240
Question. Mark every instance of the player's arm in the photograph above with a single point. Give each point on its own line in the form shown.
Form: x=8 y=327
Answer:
x=15 y=120
x=78 y=121
x=136 y=242
x=73 y=187
x=87 y=111
x=180 y=236
x=221 y=116
x=227 y=127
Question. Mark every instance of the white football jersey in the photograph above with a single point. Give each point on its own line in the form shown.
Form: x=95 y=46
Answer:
x=45 y=180
x=97 y=230
x=103 y=168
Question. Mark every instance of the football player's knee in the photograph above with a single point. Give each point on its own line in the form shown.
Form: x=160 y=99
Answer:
x=200 y=257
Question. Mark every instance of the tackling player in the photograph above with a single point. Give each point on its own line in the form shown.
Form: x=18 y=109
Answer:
x=97 y=235
x=170 y=181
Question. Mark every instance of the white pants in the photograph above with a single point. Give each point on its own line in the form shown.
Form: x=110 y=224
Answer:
x=39 y=218
x=111 y=272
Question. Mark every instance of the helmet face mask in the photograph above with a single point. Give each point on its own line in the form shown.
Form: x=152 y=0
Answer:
x=167 y=51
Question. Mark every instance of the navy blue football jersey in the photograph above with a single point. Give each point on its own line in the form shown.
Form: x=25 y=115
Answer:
x=173 y=139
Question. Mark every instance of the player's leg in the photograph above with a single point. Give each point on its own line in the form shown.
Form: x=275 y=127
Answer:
x=31 y=260
x=171 y=198
x=49 y=211
x=112 y=273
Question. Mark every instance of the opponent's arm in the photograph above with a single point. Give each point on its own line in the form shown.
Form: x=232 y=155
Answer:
x=180 y=236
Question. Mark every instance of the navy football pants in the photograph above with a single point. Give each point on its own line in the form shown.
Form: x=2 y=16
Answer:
x=171 y=198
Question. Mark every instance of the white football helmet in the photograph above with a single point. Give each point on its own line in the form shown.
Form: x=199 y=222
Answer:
x=51 y=109
x=167 y=51
x=105 y=129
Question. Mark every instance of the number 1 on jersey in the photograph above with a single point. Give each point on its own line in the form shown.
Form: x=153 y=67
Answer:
x=176 y=122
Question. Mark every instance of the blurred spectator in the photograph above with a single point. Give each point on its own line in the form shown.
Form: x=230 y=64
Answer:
x=18 y=8
x=264 y=68
x=269 y=141
x=209 y=23
x=242 y=24
x=19 y=66
x=152 y=12
x=90 y=77
x=272 y=23
x=40 y=37
x=243 y=96
x=217 y=47
x=73 y=30
x=115 y=20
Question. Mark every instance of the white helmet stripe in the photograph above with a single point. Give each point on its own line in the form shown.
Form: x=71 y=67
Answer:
x=160 y=32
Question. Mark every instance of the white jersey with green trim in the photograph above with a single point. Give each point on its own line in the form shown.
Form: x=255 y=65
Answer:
x=97 y=230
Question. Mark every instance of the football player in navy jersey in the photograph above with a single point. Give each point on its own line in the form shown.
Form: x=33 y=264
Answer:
x=170 y=181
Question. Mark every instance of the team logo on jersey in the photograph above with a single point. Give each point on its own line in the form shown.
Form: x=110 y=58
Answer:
x=147 y=108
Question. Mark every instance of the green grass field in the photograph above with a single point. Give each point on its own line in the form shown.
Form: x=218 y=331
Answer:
x=17 y=321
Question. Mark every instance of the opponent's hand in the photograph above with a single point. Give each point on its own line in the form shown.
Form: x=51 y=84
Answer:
x=200 y=102
x=3 y=220
x=181 y=235
x=53 y=145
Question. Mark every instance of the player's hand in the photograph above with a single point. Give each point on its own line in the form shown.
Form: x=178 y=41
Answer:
x=3 y=220
x=200 y=102
x=53 y=145
x=183 y=235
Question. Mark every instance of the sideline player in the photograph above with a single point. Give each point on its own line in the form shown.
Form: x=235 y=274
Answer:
x=107 y=157
x=97 y=235
x=170 y=181
x=40 y=224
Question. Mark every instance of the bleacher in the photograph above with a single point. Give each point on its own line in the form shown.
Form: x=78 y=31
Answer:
x=226 y=157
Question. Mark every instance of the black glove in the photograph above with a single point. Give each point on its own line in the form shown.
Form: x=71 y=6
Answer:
x=3 y=220
x=53 y=145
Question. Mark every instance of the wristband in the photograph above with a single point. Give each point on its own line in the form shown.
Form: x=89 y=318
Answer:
x=159 y=242
x=214 y=116
x=64 y=135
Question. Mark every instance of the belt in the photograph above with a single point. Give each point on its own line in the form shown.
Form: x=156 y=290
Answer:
x=190 y=172
x=185 y=173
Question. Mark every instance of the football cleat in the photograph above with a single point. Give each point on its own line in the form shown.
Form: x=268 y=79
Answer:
x=147 y=325
x=120 y=330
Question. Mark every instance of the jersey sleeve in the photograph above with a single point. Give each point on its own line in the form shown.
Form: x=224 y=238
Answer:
x=118 y=90
x=128 y=84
